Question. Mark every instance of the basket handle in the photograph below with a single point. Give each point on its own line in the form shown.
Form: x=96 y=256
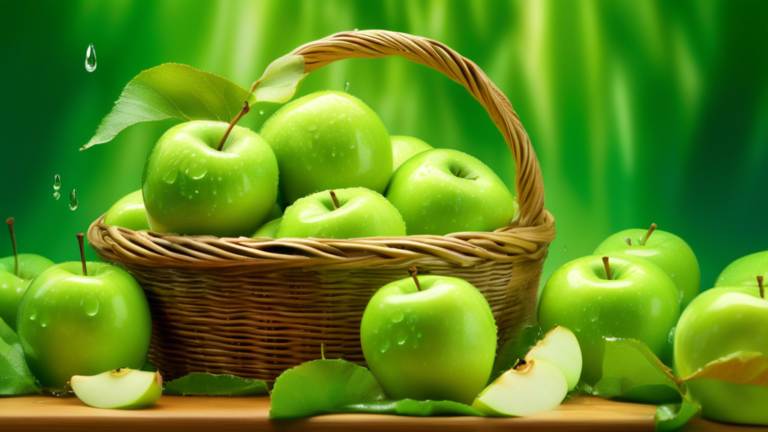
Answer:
x=381 y=43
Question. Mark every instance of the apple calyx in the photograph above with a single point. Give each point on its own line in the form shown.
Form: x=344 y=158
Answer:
x=82 y=253
x=760 y=285
x=335 y=200
x=10 y=222
x=246 y=108
x=607 y=268
x=413 y=271
x=648 y=234
x=629 y=241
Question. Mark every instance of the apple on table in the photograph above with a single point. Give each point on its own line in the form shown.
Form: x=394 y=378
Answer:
x=16 y=273
x=123 y=388
x=80 y=318
x=128 y=212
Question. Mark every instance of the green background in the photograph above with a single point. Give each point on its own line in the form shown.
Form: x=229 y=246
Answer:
x=640 y=111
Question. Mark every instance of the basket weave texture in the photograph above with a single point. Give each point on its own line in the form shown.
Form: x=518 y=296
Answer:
x=256 y=307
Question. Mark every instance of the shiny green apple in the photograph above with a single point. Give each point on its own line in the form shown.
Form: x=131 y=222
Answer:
x=328 y=140
x=128 y=212
x=435 y=342
x=192 y=187
x=446 y=191
x=123 y=388
x=268 y=230
x=70 y=324
x=405 y=147
x=638 y=301
x=718 y=323
x=358 y=212
x=744 y=270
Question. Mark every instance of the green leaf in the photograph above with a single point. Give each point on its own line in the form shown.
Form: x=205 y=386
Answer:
x=16 y=378
x=204 y=384
x=172 y=91
x=742 y=367
x=414 y=408
x=631 y=371
x=672 y=417
x=322 y=387
x=146 y=367
x=281 y=79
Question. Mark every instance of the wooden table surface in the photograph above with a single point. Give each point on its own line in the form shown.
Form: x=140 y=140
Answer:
x=190 y=414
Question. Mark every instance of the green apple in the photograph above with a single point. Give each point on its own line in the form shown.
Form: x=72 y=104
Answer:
x=328 y=140
x=637 y=300
x=16 y=272
x=405 y=147
x=342 y=214
x=531 y=387
x=718 y=323
x=435 y=340
x=72 y=322
x=446 y=191
x=744 y=270
x=128 y=212
x=123 y=388
x=268 y=230
x=561 y=348
x=668 y=251
x=192 y=187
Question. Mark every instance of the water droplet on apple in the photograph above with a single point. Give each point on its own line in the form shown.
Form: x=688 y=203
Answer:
x=33 y=316
x=594 y=314
x=199 y=170
x=402 y=336
x=73 y=203
x=90 y=59
x=170 y=176
x=671 y=337
x=385 y=346
x=91 y=306
x=346 y=87
x=342 y=117
x=261 y=112
x=396 y=316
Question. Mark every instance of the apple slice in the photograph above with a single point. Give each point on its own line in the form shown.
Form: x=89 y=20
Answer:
x=119 y=389
x=530 y=387
x=561 y=348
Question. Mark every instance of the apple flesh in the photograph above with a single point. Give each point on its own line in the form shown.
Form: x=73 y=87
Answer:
x=405 y=147
x=533 y=386
x=328 y=140
x=191 y=187
x=561 y=348
x=119 y=389
x=361 y=213
x=13 y=286
x=744 y=270
x=268 y=230
x=128 y=212
x=446 y=191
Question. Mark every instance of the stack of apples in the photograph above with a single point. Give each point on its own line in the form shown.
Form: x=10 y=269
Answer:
x=328 y=158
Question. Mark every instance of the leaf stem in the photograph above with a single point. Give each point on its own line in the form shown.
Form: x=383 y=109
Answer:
x=82 y=253
x=648 y=234
x=413 y=271
x=240 y=115
x=607 y=268
x=10 y=222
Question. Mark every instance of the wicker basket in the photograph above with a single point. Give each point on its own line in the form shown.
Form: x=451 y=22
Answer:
x=256 y=307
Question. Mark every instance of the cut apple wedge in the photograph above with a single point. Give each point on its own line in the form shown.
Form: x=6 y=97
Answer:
x=119 y=389
x=531 y=387
x=561 y=348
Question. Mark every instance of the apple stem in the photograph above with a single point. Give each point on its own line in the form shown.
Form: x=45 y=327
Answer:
x=648 y=234
x=760 y=285
x=629 y=241
x=322 y=351
x=10 y=222
x=413 y=271
x=607 y=268
x=82 y=253
x=335 y=200
x=240 y=115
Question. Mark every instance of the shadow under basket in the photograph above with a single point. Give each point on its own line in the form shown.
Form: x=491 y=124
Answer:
x=256 y=307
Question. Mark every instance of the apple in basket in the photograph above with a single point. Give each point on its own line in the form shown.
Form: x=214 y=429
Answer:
x=128 y=212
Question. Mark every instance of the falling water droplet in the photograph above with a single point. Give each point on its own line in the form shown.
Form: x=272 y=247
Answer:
x=56 y=182
x=73 y=200
x=90 y=59
x=261 y=112
x=346 y=87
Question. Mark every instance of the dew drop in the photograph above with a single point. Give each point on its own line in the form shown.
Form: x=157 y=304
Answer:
x=396 y=316
x=671 y=337
x=91 y=306
x=90 y=59
x=170 y=176
x=402 y=336
x=385 y=346
x=261 y=112
x=346 y=86
x=33 y=316
x=73 y=200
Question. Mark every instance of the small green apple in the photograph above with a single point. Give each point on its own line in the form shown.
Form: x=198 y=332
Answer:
x=405 y=147
x=531 y=387
x=16 y=272
x=743 y=270
x=328 y=140
x=627 y=298
x=202 y=179
x=128 y=212
x=668 y=251
x=81 y=318
x=435 y=340
x=446 y=191
x=123 y=388
x=718 y=323
x=268 y=230
x=342 y=214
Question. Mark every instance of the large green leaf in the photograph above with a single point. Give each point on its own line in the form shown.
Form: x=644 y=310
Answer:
x=204 y=384
x=16 y=377
x=414 y=408
x=281 y=79
x=671 y=417
x=172 y=91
